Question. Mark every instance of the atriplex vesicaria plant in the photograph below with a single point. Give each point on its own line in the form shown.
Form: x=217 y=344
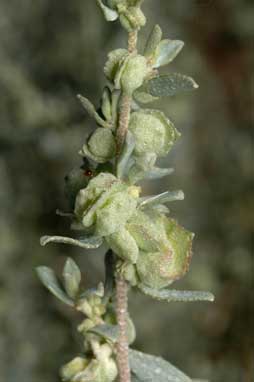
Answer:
x=147 y=249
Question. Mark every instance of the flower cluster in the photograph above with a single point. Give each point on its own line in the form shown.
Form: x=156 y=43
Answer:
x=128 y=12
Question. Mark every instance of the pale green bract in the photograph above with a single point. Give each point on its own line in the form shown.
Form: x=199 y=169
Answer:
x=106 y=203
x=153 y=132
x=100 y=146
x=126 y=71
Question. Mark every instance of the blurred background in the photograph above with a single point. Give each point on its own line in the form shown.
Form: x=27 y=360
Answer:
x=49 y=52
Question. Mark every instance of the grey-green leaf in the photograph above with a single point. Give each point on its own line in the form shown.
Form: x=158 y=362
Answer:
x=149 y=368
x=49 y=280
x=143 y=97
x=89 y=107
x=92 y=242
x=165 y=197
x=170 y=84
x=153 y=41
x=166 y=51
x=128 y=147
x=109 y=14
x=72 y=278
x=106 y=331
x=171 y=295
x=157 y=173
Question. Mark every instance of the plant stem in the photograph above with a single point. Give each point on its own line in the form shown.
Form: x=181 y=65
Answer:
x=122 y=344
x=121 y=285
x=126 y=100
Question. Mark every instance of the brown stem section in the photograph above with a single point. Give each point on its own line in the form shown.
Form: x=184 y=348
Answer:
x=125 y=106
x=121 y=285
x=122 y=344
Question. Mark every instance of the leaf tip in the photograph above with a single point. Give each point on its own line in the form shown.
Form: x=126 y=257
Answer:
x=44 y=240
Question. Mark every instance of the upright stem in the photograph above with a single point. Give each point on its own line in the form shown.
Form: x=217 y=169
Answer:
x=122 y=344
x=126 y=100
x=121 y=285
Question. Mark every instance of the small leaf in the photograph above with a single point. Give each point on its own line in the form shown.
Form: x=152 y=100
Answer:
x=165 y=197
x=49 y=280
x=170 y=84
x=153 y=41
x=89 y=107
x=106 y=104
x=148 y=368
x=109 y=14
x=128 y=147
x=144 y=97
x=166 y=51
x=92 y=242
x=106 y=331
x=176 y=295
x=157 y=173
x=72 y=278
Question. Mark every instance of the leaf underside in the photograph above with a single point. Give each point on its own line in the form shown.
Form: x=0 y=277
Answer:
x=170 y=85
x=172 y=295
x=148 y=368
x=49 y=280
x=109 y=332
x=165 y=197
x=92 y=242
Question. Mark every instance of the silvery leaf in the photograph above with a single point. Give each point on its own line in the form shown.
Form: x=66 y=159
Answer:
x=143 y=97
x=166 y=51
x=89 y=107
x=157 y=173
x=176 y=295
x=149 y=368
x=106 y=104
x=165 y=197
x=170 y=84
x=91 y=242
x=106 y=331
x=72 y=278
x=125 y=155
x=109 y=14
x=49 y=280
x=153 y=41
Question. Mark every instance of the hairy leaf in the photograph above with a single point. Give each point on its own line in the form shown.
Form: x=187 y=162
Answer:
x=89 y=107
x=143 y=97
x=157 y=173
x=149 y=368
x=176 y=295
x=165 y=197
x=49 y=280
x=122 y=164
x=72 y=278
x=166 y=51
x=170 y=84
x=109 y=14
x=153 y=41
x=111 y=332
x=91 y=242
x=107 y=331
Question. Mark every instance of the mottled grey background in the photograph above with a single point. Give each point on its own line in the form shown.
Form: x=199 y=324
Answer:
x=49 y=51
